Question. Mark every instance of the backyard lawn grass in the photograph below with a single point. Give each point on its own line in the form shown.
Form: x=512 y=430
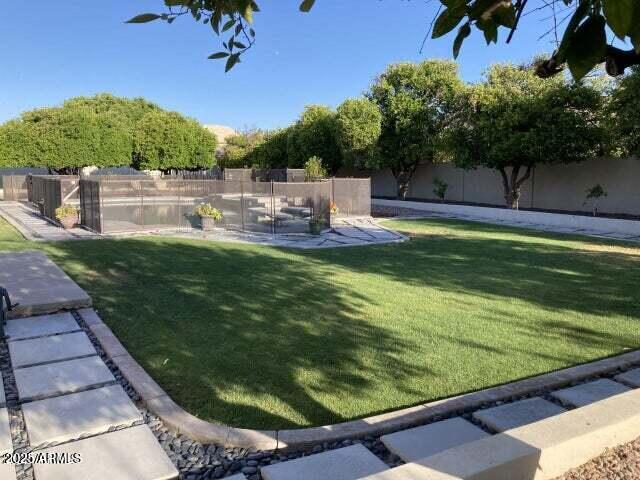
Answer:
x=262 y=337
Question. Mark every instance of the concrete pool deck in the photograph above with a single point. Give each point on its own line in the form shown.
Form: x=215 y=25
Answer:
x=344 y=232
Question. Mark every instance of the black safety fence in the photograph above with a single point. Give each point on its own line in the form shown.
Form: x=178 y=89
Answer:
x=130 y=205
x=49 y=192
x=14 y=187
x=351 y=197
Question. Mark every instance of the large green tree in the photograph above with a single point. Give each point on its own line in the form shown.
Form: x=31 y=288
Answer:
x=581 y=27
x=358 y=129
x=167 y=140
x=416 y=101
x=314 y=135
x=65 y=139
x=99 y=131
x=515 y=120
x=623 y=115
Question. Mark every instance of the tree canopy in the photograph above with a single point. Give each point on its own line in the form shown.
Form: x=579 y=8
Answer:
x=101 y=131
x=581 y=27
x=314 y=135
x=167 y=140
x=359 y=124
x=416 y=101
x=515 y=120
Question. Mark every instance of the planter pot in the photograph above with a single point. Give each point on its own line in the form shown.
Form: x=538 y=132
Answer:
x=69 y=221
x=207 y=223
x=316 y=228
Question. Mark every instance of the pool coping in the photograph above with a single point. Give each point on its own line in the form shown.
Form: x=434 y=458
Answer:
x=174 y=416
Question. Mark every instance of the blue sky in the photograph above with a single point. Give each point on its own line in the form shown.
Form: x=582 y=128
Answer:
x=56 y=50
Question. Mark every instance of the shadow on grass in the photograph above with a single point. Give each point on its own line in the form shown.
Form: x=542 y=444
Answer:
x=219 y=326
x=253 y=336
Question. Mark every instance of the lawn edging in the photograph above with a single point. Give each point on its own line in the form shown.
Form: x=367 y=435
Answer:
x=160 y=403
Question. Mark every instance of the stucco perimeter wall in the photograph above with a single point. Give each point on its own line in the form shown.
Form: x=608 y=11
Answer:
x=557 y=187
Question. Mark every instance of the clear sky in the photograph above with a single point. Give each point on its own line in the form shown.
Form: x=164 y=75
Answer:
x=55 y=50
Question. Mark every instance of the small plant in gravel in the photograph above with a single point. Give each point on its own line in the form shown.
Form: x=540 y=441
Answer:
x=440 y=188
x=67 y=215
x=595 y=193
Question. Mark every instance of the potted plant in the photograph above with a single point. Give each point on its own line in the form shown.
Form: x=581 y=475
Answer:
x=67 y=215
x=208 y=216
x=317 y=225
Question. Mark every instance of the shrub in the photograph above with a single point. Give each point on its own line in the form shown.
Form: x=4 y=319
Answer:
x=440 y=189
x=314 y=169
x=207 y=210
x=66 y=210
x=314 y=134
x=595 y=193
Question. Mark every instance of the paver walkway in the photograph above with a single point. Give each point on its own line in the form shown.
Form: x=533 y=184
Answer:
x=28 y=221
x=345 y=232
x=72 y=405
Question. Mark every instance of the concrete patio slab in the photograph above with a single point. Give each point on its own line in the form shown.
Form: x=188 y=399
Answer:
x=631 y=378
x=22 y=328
x=129 y=454
x=516 y=414
x=349 y=463
x=80 y=414
x=587 y=393
x=416 y=443
x=6 y=444
x=35 y=383
x=50 y=349
x=38 y=285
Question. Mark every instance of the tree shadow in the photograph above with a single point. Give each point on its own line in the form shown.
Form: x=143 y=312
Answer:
x=243 y=335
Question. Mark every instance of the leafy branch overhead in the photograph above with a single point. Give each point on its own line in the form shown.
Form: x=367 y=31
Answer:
x=583 y=44
x=225 y=17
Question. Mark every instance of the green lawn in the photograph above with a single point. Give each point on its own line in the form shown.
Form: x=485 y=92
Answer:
x=263 y=337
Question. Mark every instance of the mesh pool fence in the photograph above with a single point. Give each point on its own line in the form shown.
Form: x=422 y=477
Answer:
x=129 y=205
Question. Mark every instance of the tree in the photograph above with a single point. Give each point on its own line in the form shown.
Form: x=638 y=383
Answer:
x=584 y=40
x=238 y=147
x=271 y=152
x=583 y=45
x=167 y=140
x=358 y=128
x=65 y=139
x=516 y=120
x=623 y=115
x=416 y=101
x=314 y=134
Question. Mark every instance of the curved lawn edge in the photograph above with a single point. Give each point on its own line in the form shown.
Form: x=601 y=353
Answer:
x=154 y=398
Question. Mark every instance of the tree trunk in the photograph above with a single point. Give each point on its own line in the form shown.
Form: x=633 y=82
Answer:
x=512 y=185
x=403 y=177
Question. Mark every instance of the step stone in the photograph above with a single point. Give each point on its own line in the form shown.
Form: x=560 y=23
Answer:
x=6 y=444
x=79 y=414
x=630 y=378
x=420 y=442
x=591 y=392
x=54 y=324
x=348 y=463
x=50 y=349
x=35 y=383
x=516 y=414
x=129 y=454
